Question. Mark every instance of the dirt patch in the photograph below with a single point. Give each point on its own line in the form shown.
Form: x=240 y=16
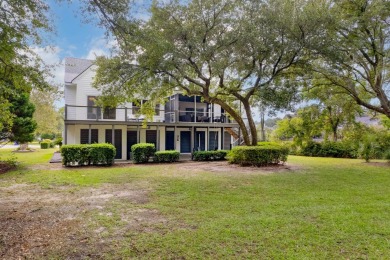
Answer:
x=223 y=167
x=379 y=164
x=55 y=223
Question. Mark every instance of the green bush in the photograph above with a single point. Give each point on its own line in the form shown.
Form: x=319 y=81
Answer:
x=209 y=155
x=88 y=154
x=387 y=156
x=142 y=152
x=102 y=154
x=45 y=145
x=336 y=150
x=166 y=156
x=311 y=149
x=258 y=155
x=58 y=141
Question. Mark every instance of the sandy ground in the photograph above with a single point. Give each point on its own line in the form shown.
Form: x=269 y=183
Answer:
x=60 y=221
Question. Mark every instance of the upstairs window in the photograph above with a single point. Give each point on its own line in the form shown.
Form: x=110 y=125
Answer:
x=93 y=112
x=109 y=113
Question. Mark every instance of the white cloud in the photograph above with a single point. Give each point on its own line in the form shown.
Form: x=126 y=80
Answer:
x=100 y=47
x=50 y=55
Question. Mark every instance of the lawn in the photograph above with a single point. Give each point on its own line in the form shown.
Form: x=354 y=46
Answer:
x=316 y=208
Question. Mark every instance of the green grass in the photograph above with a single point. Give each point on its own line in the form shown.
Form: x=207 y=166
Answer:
x=323 y=209
x=29 y=158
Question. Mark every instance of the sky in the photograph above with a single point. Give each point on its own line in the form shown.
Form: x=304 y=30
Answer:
x=72 y=38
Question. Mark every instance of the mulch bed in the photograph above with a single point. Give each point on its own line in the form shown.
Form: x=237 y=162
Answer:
x=4 y=167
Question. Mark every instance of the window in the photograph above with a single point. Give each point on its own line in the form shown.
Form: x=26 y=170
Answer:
x=136 y=107
x=84 y=136
x=157 y=110
x=109 y=113
x=93 y=112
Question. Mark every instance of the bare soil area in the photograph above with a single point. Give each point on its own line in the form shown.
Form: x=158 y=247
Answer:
x=88 y=222
x=38 y=223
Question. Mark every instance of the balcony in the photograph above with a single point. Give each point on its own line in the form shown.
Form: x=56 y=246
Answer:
x=93 y=113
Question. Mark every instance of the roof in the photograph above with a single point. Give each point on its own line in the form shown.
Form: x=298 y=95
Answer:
x=74 y=67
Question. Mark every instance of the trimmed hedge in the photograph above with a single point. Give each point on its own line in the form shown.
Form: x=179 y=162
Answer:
x=166 y=156
x=142 y=152
x=263 y=155
x=88 y=154
x=45 y=145
x=329 y=149
x=209 y=155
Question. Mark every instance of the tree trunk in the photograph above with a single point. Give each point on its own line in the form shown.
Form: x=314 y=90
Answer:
x=251 y=122
x=237 y=117
x=23 y=146
x=262 y=125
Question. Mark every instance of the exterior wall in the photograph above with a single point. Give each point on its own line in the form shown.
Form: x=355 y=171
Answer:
x=77 y=95
x=73 y=135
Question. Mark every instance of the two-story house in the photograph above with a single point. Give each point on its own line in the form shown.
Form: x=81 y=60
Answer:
x=183 y=123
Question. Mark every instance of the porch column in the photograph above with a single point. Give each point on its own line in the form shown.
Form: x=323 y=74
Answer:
x=89 y=134
x=223 y=139
x=207 y=139
x=113 y=135
x=174 y=138
x=66 y=134
x=138 y=134
x=192 y=138
x=158 y=138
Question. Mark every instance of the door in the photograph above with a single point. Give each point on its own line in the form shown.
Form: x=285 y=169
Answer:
x=132 y=138
x=117 y=142
x=200 y=140
x=151 y=137
x=185 y=141
x=169 y=140
x=213 y=140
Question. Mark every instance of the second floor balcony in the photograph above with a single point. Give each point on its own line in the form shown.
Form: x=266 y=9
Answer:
x=124 y=114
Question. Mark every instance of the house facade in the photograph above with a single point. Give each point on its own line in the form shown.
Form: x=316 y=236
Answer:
x=183 y=123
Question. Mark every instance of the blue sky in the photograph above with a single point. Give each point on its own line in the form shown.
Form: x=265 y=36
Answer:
x=73 y=37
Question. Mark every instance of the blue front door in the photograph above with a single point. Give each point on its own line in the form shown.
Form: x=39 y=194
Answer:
x=185 y=141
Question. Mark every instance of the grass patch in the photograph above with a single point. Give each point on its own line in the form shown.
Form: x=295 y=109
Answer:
x=326 y=208
x=30 y=158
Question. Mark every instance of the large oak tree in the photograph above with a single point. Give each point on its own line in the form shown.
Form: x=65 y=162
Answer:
x=225 y=51
x=354 y=53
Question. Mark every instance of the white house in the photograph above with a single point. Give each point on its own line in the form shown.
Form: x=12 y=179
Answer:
x=183 y=123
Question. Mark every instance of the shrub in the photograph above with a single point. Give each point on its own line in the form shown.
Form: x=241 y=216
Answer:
x=87 y=154
x=336 y=150
x=209 y=155
x=45 y=145
x=49 y=136
x=311 y=149
x=166 y=156
x=102 y=154
x=258 y=155
x=142 y=152
x=387 y=156
x=58 y=141
x=48 y=141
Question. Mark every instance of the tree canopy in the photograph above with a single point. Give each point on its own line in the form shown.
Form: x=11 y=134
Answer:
x=355 y=52
x=224 y=51
x=22 y=25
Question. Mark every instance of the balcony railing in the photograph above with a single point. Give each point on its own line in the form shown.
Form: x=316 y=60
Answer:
x=130 y=115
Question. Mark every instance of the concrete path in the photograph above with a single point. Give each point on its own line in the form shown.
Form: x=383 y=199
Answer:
x=57 y=158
